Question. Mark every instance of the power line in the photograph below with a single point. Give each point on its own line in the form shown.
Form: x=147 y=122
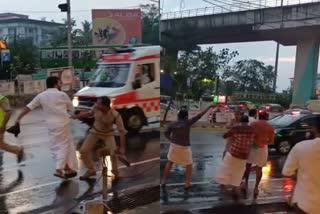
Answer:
x=58 y=12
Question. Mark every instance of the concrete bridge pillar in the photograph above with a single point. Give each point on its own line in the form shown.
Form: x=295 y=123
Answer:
x=305 y=73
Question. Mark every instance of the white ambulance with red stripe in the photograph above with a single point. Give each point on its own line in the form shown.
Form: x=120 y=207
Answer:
x=131 y=78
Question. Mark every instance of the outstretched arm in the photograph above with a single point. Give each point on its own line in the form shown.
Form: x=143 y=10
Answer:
x=24 y=112
x=82 y=115
x=168 y=132
x=228 y=134
x=198 y=116
x=35 y=103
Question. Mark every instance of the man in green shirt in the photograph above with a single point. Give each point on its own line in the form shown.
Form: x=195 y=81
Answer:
x=5 y=113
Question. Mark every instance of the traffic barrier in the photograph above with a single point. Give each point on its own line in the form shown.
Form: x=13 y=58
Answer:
x=7 y=88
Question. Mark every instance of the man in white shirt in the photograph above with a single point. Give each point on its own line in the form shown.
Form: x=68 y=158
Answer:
x=303 y=163
x=252 y=115
x=56 y=104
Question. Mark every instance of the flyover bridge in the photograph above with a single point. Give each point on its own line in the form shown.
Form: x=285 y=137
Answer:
x=296 y=23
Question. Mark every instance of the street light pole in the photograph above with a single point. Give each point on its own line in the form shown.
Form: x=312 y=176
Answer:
x=159 y=19
x=69 y=34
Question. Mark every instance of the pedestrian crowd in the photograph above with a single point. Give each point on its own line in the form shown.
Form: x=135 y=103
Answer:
x=246 y=144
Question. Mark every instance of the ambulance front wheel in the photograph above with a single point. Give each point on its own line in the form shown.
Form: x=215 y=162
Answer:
x=134 y=120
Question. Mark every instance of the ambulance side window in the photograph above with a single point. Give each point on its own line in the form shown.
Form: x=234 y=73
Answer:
x=148 y=73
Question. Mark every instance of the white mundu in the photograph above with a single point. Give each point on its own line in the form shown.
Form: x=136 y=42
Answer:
x=55 y=105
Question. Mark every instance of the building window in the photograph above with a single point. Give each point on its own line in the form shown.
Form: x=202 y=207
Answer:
x=11 y=31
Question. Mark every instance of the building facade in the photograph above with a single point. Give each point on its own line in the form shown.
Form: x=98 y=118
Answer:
x=14 y=26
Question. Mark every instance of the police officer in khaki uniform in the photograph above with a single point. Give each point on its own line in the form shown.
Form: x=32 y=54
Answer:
x=102 y=129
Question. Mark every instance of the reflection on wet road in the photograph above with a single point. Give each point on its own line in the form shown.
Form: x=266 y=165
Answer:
x=30 y=187
x=207 y=149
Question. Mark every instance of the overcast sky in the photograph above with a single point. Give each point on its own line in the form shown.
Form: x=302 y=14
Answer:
x=81 y=9
x=264 y=51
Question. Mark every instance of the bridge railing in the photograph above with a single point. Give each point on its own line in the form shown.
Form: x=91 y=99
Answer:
x=237 y=6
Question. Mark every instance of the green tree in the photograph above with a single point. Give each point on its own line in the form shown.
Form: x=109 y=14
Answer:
x=150 y=24
x=83 y=37
x=202 y=67
x=24 y=56
x=251 y=75
x=285 y=98
x=60 y=37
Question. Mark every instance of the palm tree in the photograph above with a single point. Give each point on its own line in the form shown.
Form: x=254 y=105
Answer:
x=83 y=36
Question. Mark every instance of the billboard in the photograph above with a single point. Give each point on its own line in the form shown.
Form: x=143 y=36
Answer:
x=116 y=27
x=66 y=75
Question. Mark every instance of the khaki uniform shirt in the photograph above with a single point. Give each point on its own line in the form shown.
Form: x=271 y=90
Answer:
x=103 y=123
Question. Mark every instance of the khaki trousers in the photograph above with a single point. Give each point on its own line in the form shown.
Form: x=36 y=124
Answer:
x=8 y=148
x=88 y=146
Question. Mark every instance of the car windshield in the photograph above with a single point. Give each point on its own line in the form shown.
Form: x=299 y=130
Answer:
x=284 y=120
x=110 y=76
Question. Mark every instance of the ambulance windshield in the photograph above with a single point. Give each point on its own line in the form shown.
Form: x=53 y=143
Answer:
x=110 y=75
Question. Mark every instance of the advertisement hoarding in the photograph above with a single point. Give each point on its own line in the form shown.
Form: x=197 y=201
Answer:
x=66 y=75
x=116 y=27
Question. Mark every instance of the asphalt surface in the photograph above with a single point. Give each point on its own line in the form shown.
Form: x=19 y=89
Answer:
x=30 y=187
x=205 y=195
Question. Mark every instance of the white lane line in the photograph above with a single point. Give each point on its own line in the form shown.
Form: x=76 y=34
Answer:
x=57 y=182
x=141 y=162
x=30 y=188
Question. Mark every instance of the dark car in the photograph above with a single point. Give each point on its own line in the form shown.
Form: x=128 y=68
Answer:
x=291 y=128
x=234 y=108
x=272 y=108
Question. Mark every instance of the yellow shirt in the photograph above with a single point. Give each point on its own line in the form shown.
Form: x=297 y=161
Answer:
x=4 y=106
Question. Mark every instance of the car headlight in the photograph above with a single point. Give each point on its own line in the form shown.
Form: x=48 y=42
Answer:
x=75 y=101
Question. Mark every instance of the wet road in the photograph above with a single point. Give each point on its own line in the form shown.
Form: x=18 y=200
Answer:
x=207 y=148
x=30 y=187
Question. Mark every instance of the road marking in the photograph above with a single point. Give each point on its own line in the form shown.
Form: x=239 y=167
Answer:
x=57 y=182
x=140 y=162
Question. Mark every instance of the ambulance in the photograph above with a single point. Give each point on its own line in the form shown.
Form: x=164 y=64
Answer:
x=130 y=77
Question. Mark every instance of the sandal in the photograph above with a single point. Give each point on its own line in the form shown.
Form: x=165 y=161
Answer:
x=71 y=175
x=60 y=175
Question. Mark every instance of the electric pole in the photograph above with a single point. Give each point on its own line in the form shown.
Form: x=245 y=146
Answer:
x=67 y=8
